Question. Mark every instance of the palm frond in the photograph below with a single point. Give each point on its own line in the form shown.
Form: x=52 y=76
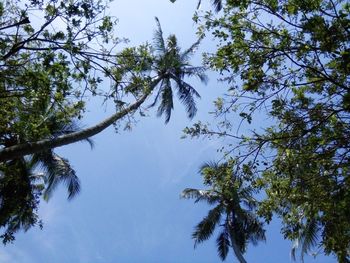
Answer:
x=199 y=4
x=246 y=198
x=295 y=247
x=186 y=94
x=18 y=211
x=306 y=240
x=158 y=39
x=166 y=103
x=210 y=164
x=217 y=5
x=310 y=236
x=185 y=56
x=200 y=195
x=58 y=170
x=198 y=72
x=90 y=142
x=172 y=46
x=205 y=228
x=155 y=101
x=254 y=228
x=185 y=87
x=223 y=244
x=238 y=233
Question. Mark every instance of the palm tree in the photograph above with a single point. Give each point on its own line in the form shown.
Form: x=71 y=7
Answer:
x=233 y=211
x=173 y=65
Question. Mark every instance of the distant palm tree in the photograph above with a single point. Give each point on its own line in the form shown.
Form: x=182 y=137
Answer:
x=173 y=67
x=233 y=211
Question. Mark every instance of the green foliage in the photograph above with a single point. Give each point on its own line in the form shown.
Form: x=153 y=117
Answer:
x=44 y=73
x=289 y=61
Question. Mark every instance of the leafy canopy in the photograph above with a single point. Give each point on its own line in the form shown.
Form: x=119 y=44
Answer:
x=288 y=62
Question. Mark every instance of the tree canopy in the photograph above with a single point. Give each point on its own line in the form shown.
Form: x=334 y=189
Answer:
x=286 y=65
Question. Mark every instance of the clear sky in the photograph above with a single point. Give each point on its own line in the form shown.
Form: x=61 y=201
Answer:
x=129 y=210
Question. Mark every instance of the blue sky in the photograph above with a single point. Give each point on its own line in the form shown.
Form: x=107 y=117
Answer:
x=129 y=209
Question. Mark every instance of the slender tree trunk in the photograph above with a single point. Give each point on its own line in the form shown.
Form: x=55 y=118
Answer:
x=21 y=150
x=236 y=250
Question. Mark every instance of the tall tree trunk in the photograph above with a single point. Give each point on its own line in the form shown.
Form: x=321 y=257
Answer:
x=236 y=250
x=21 y=150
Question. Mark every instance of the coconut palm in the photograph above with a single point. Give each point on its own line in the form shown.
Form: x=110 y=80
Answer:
x=173 y=66
x=233 y=211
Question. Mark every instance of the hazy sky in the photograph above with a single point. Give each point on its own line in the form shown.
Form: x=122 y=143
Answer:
x=129 y=210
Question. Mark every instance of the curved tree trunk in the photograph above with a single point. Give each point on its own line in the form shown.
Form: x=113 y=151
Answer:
x=236 y=250
x=21 y=150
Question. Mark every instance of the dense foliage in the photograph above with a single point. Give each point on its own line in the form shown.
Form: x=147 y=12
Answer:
x=287 y=65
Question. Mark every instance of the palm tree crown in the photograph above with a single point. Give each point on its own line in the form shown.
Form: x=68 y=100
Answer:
x=233 y=211
x=173 y=66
